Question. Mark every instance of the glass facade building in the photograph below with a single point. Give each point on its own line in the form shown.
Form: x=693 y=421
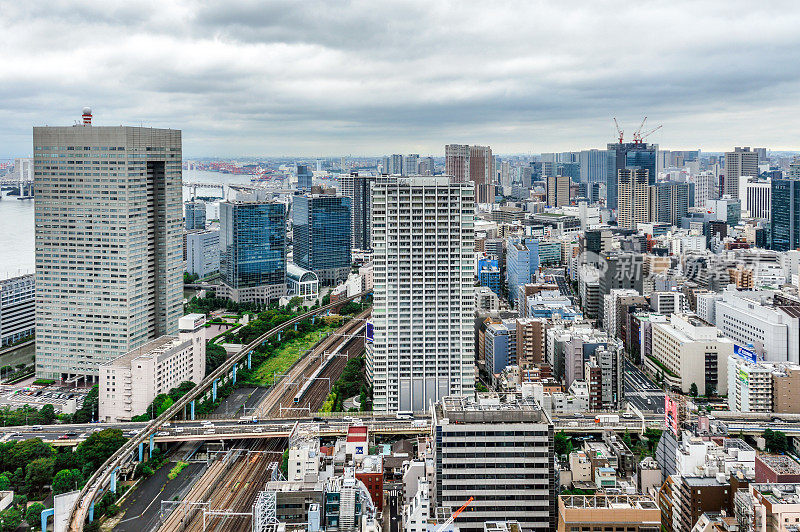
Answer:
x=304 y=177
x=195 y=215
x=252 y=243
x=785 y=214
x=633 y=155
x=322 y=242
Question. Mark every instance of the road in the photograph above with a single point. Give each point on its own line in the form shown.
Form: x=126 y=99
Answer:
x=394 y=504
x=641 y=392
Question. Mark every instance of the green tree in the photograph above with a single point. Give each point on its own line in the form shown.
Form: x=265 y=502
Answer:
x=67 y=480
x=33 y=515
x=562 y=443
x=24 y=452
x=215 y=356
x=10 y=519
x=168 y=402
x=5 y=483
x=48 y=414
x=693 y=390
x=90 y=407
x=38 y=474
x=775 y=441
x=96 y=449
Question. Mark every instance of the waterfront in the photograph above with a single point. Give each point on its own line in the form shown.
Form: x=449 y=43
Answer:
x=17 y=247
x=17 y=254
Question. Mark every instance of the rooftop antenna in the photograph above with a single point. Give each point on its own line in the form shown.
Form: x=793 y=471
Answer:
x=87 y=116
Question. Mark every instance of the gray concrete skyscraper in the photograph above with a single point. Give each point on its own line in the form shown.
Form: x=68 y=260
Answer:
x=739 y=163
x=424 y=249
x=359 y=189
x=108 y=243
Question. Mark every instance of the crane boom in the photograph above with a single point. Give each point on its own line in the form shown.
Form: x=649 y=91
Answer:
x=645 y=135
x=620 y=133
x=453 y=517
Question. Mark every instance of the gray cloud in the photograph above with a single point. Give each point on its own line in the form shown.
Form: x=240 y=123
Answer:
x=365 y=77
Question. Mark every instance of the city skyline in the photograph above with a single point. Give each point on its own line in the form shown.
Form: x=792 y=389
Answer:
x=288 y=79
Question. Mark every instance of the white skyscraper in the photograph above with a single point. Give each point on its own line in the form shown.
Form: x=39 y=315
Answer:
x=423 y=240
x=108 y=243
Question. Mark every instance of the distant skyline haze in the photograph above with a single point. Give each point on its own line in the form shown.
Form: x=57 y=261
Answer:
x=320 y=78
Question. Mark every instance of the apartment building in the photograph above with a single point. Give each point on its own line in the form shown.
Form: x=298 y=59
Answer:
x=424 y=297
x=130 y=383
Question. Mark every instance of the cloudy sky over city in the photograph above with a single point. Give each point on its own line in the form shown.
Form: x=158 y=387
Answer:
x=371 y=77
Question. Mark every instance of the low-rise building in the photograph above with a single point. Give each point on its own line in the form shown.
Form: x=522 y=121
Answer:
x=130 y=383
x=631 y=513
x=768 y=507
x=777 y=469
x=690 y=351
x=301 y=282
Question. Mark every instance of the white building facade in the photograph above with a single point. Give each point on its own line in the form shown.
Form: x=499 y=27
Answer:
x=130 y=383
x=424 y=296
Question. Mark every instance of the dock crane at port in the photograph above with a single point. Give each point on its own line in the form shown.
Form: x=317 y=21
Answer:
x=452 y=518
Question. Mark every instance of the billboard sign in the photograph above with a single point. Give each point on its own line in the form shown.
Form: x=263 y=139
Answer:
x=744 y=353
x=671 y=407
x=370 y=332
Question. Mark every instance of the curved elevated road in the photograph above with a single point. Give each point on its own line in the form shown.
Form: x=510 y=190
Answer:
x=101 y=477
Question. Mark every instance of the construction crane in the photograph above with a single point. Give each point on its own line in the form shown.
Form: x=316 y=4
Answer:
x=620 y=133
x=453 y=517
x=643 y=136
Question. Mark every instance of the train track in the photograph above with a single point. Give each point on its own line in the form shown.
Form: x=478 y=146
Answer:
x=227 y=487
x=281 y=396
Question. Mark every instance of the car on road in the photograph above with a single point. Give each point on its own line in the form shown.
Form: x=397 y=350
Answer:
x=162 y=433
x=577 y=414
x=36 y=428
x=627 y=415
x=64 y=437
x=209 y=431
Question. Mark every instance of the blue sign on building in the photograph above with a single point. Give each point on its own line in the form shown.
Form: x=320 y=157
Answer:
x=370 y=332
x=744 y=353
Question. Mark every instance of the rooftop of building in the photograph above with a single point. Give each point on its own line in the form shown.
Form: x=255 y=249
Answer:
x=608 y=502
x=778 y=493
x=781 y=464
x=152 y=349
x=459 y=409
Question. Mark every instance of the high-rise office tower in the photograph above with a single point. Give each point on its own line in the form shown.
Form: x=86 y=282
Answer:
x=472 y=163
x=424 y=270
x=383 y=164
x=634 y=198
x=704 y=188
x=739 y=162
x=108 y=243
x=785 y=214
x=359 y=189
x=195 y=214
x=669 y=202
x=396 y=164
x=634 y=155
x=252 y=241
x=755 y=194
x=557 y=191
x=549 y=168
x=304 y=177
x=411 y=164
x=593 y=166
x=321 y=230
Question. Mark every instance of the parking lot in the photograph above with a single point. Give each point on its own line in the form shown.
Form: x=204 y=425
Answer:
x=17 y=395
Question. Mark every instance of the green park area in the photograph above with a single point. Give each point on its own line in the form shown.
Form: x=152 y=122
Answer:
x=285 y=355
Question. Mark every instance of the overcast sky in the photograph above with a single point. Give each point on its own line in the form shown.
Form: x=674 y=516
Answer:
x=372 y=77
